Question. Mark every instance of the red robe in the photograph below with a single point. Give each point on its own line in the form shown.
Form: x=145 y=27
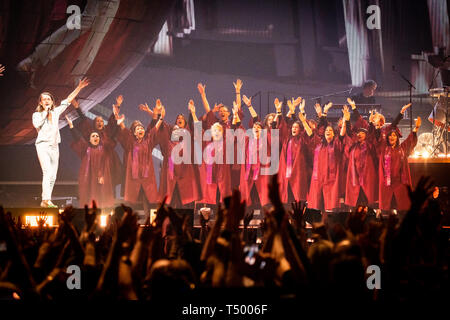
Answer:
x=251 y=172
x=209 y=119
x=95 y=163
x=87 y=126
x=326 y=173
x=182 y=175
x=394 y=174
x=139 y=169
x=361 y=172
x=294 y=170
x=215 y=176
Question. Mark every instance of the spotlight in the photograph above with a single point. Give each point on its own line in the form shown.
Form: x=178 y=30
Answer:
x=103 y=220
x=32 y=220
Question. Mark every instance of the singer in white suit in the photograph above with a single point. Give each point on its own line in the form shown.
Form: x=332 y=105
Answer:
x=45 y=120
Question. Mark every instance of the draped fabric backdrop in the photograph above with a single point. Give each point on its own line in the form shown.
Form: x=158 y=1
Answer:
x=107 y=52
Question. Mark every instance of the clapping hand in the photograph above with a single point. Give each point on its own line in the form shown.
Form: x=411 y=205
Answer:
x=278 y=105
x=346 y=113
x=327 y=107
x=247 y=101
x=201 y=88
x=405 y=107
x=351 y=103
x=318 y=109
x=191 y=106
x=238 y=85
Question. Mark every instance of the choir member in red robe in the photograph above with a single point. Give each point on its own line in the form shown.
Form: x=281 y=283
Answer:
x=223 y=118
x=251 y=174
x=94 y=178
x=138 y=144
x=294 y=171
x=327 y=157
x=215 y=173
x=178 y=181
x=361 y=178
x=98 y=124
x=393 y=168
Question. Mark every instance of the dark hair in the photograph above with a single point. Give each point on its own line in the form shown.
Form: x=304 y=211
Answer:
x=184 y=118
x=258 y=123
x=266 y=118
x=369 y=83
x=135 y=124
x=396 y=133
x=39 y=107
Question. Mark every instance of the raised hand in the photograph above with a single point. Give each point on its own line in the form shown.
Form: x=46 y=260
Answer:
x=238 y=85
x=318 y=109
x=69 y=122
x=327 y=107
x=405 y=107
x=161 y=213
x=351 y=103
x=191 y=106
x=2 y=68
x=119 y=100
x=201 y=88
x=277 y=104
x=83 y=83
x=418 y=124
x=145 y=108
x=236 y=212
x=274 y=196
x=128 y=225
x=217 y=107
x=423 y=191
x=302 y=105
x=291 y=107
x=346 y=113
x=297 y=101
x=372 y=116
x=298 y=210
x=247 y=101
x=274 y=192
x=90 y=216
x=158 y=107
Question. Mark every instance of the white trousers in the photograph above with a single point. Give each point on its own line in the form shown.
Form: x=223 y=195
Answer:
x=48 y=155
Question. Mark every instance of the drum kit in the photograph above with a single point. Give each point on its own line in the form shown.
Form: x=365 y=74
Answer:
x=439 y=117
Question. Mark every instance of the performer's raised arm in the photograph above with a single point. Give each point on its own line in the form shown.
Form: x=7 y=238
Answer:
x=191 y=107
x=248 y=103
x=238 y=86
x=345 y=119
x=201 y=89
x=305 y=124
